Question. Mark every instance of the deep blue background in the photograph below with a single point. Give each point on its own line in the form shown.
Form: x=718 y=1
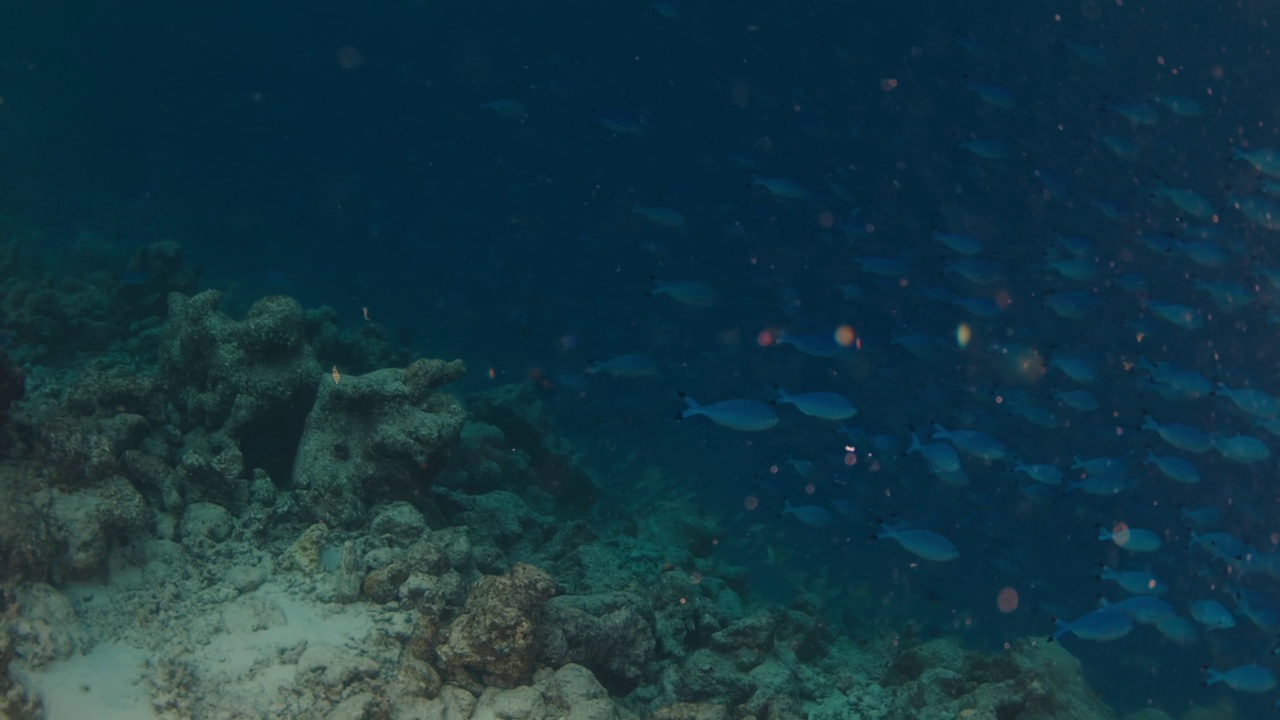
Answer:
x=511 y=242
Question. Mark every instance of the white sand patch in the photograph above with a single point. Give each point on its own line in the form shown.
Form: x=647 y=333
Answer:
x=105 y=684
x=245 y=649
x=262 y=627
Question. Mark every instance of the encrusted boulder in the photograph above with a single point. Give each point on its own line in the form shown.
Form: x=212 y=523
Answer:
x=18 y=701
x=90 y=522
x=43 y=627
x=610 y=634
x=375 y=438
x=569 y=693
x=494 y=637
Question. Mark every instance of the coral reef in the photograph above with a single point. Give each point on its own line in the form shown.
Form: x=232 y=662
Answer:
x=281 y=537
x=245 y=384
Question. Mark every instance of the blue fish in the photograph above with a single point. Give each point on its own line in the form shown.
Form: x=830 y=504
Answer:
x=922 y=543
x=824 y=405
x=623 y=123
x=1212 y=614
x=816 y=344
x=958 y=242
x=508 y=108
x=689 y=292
x=942 y=458
x=781 y=187
x=631 y=365
x=988 y=149
x=1183 y=437
x=1090 y=54
x=1137 y=582
x=1173 y=467
x=994 y=95
x=811 y=515
x=1100 y=625
x=1143 y=609
x=1136 y=112
x=745 y=415
x=1180 y=105
x=1252 y=678
x=971 y=442
x=1177 y=628
x=1135 y=540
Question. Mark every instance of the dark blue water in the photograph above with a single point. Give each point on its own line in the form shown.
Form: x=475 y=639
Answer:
x=344 y=154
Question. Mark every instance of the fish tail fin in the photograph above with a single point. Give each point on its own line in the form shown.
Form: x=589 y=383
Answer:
x=657 y=285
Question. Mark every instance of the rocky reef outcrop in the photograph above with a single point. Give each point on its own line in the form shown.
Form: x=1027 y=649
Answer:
x=286 y=524
x=375 y=437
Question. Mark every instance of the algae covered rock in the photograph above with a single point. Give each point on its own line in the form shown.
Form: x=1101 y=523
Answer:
x=399 y=521
x=1033 y=681
x=18 y=701
x=204 y=525
x=253 y=380
x=610 y=634
x=13 y=383
x=690 y=711
x=571 y=692
x=90 y=522
x=495 y=635
x=42 y=626
x=373 y=438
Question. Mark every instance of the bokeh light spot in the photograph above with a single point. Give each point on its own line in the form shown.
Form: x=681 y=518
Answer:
x=1120 y=534
x=1007 y=600
x=845 y=335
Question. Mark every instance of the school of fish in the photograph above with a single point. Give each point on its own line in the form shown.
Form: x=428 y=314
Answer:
x=1067 y=360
